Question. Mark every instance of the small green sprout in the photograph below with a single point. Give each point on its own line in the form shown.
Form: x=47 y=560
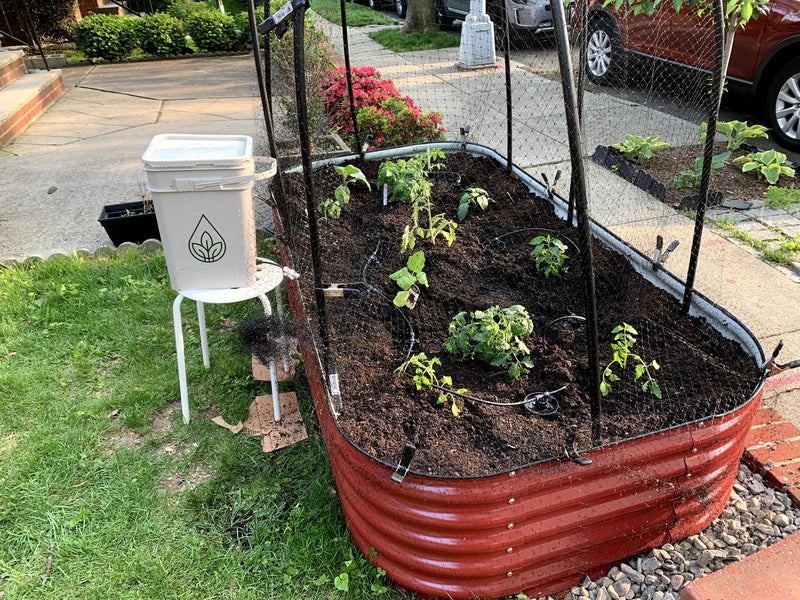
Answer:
x=624 y=339
x=425 y=377
x=473 y=197
x=406 y=277
x=550 y=255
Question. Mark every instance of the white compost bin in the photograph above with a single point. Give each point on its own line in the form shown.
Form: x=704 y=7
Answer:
x=202 y=194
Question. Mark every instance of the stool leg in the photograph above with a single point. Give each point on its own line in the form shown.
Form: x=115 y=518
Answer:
x=201 y=320
x=279 y=310
x=178 y=325
x=273 y=370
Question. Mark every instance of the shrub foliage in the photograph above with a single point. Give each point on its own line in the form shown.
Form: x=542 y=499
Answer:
x=106 y=36
x=211 y=30
x=160 y=34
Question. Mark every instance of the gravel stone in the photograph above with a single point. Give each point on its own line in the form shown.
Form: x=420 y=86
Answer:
x=650 y=564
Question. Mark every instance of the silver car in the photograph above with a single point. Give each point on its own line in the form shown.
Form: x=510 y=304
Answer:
x=527 y=19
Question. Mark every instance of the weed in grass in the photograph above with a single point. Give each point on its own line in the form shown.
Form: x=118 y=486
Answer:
x=394 y=40
x=88 y=389
x=781 y=197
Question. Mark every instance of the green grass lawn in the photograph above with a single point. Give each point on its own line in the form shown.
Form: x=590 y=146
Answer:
x=396 y=41
x=105 y=493
x=357 y=15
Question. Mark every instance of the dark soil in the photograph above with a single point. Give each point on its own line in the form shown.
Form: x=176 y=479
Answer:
x=701 y=374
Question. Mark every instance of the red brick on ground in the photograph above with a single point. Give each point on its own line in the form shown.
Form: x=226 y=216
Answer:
x=770 y=574
x=777 y=452
x=767 y=415
x=771 y=433
x=787 y=475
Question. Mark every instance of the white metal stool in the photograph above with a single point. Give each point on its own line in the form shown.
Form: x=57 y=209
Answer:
x=269 y=276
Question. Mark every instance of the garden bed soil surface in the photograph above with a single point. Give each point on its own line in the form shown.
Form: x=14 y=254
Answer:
x=701 y=374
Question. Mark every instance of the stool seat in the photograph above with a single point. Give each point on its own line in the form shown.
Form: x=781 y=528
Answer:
x=269 y=276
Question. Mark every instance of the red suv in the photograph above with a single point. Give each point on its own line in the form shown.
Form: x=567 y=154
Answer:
x=764 y=65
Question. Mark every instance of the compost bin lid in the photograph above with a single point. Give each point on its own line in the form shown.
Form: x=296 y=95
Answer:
x=190 y=151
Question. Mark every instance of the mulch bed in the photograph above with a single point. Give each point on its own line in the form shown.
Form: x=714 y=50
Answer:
x=701 y=373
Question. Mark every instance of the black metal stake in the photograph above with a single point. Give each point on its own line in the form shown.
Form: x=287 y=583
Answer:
x=708 y=152
x=268 y=61
x=582 y=206
x=308 y=174
x=509 y=114
x=33 y=33
x=583 y=16
x=349 y=76
x=267 y=109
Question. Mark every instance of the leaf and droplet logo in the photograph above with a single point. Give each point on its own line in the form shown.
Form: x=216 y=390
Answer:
x=206 y=244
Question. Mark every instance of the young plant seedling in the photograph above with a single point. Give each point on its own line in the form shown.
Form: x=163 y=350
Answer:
x=436 y=224
x=624 y=339
x=691 y=178
x=425 y=377
x=401 y=175
x=493 y=335
x=638 y=149
x=331 y=208
x=473 y=197
x=408 y=276
x=550 y=255
x=769 y=165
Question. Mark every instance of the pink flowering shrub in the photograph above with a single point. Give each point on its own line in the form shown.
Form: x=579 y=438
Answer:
x=390 y=118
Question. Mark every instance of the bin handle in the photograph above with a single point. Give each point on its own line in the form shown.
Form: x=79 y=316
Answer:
x=218 y=183
x=271 y=170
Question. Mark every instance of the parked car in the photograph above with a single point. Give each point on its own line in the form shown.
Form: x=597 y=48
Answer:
x=764 y=65
x=527 y=19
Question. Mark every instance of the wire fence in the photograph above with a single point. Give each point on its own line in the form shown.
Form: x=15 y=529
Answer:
x=499 y=288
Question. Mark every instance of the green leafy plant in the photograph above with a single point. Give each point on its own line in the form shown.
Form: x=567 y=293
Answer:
x=425 y=377
x=493 y=335
x=638 y=149
x=550 y=255
x=691 y=178
x=781 y=197
x=160 y=34
x=624 y=339
x=473 y=197
x=331 y=208
x=105 y=36
x=401 y=175
x=408 y=276
x=211 y=30
x=769 y=165
x=737 y=132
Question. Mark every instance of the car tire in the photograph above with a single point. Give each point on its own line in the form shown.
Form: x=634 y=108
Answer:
x=401 y=7
x=783 y=105
x=441 y=19
x=603 y=53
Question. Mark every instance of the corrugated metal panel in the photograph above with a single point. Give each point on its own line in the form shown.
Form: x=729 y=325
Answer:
x=541 y=528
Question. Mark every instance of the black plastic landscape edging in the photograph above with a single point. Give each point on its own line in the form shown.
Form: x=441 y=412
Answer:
x=627 y=170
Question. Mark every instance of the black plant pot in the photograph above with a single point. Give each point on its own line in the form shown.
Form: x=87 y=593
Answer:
x=128 y=222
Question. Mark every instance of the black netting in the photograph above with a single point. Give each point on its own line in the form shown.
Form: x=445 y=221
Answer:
x=677 y=368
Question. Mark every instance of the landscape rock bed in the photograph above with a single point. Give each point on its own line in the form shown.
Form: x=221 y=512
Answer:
x=702 y=374
x=755 y=517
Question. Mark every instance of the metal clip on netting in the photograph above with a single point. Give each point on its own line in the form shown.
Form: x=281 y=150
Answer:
x=771 y=367
x=570 y=437
x=278 y=22
x=661 y=255
x=405 y=463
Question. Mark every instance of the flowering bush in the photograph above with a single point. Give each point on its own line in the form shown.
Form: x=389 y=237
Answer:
x=390 y=118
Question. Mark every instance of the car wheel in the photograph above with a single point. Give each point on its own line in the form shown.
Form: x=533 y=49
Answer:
x=783 y=105
x=441 y=19
x=401 y=7
x=603 y=52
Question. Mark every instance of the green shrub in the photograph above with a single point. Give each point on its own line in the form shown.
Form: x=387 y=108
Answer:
x=160 y=34
x=397 y=121
x=181 y=9
x=241 y=31
x=105 y=36
x=211 y=30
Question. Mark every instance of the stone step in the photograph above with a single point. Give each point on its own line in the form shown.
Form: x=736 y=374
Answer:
x=24 y=99
x=12 y=66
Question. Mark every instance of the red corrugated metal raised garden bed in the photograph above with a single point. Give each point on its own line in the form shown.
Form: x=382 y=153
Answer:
x=536 y=526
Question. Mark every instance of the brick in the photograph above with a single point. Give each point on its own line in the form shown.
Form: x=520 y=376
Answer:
x=777 y=453
x=794 y=493
x=771 y=433
x=767 y=415
x=787 y=475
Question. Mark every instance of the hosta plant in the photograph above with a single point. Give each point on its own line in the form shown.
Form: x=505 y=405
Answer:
x=638 y=149
x=737 y=132
x=494 y=335
x=769 y=165
x=691 y=178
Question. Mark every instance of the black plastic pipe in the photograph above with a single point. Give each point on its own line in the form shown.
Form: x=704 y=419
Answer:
x=582 y=209
x=308 y=174
x=349 y=76
x=509 y=112
x=718 y=77
x=267 y=109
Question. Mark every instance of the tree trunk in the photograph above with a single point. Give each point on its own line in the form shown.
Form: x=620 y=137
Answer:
x=419 y=18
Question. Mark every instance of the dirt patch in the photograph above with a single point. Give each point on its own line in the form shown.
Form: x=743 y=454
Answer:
x=163 y=419
x=125 y=438
x=176 y=482
x=701 y=373
x=8 y=442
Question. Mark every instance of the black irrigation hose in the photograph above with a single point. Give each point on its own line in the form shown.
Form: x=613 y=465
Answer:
x=491 y=402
